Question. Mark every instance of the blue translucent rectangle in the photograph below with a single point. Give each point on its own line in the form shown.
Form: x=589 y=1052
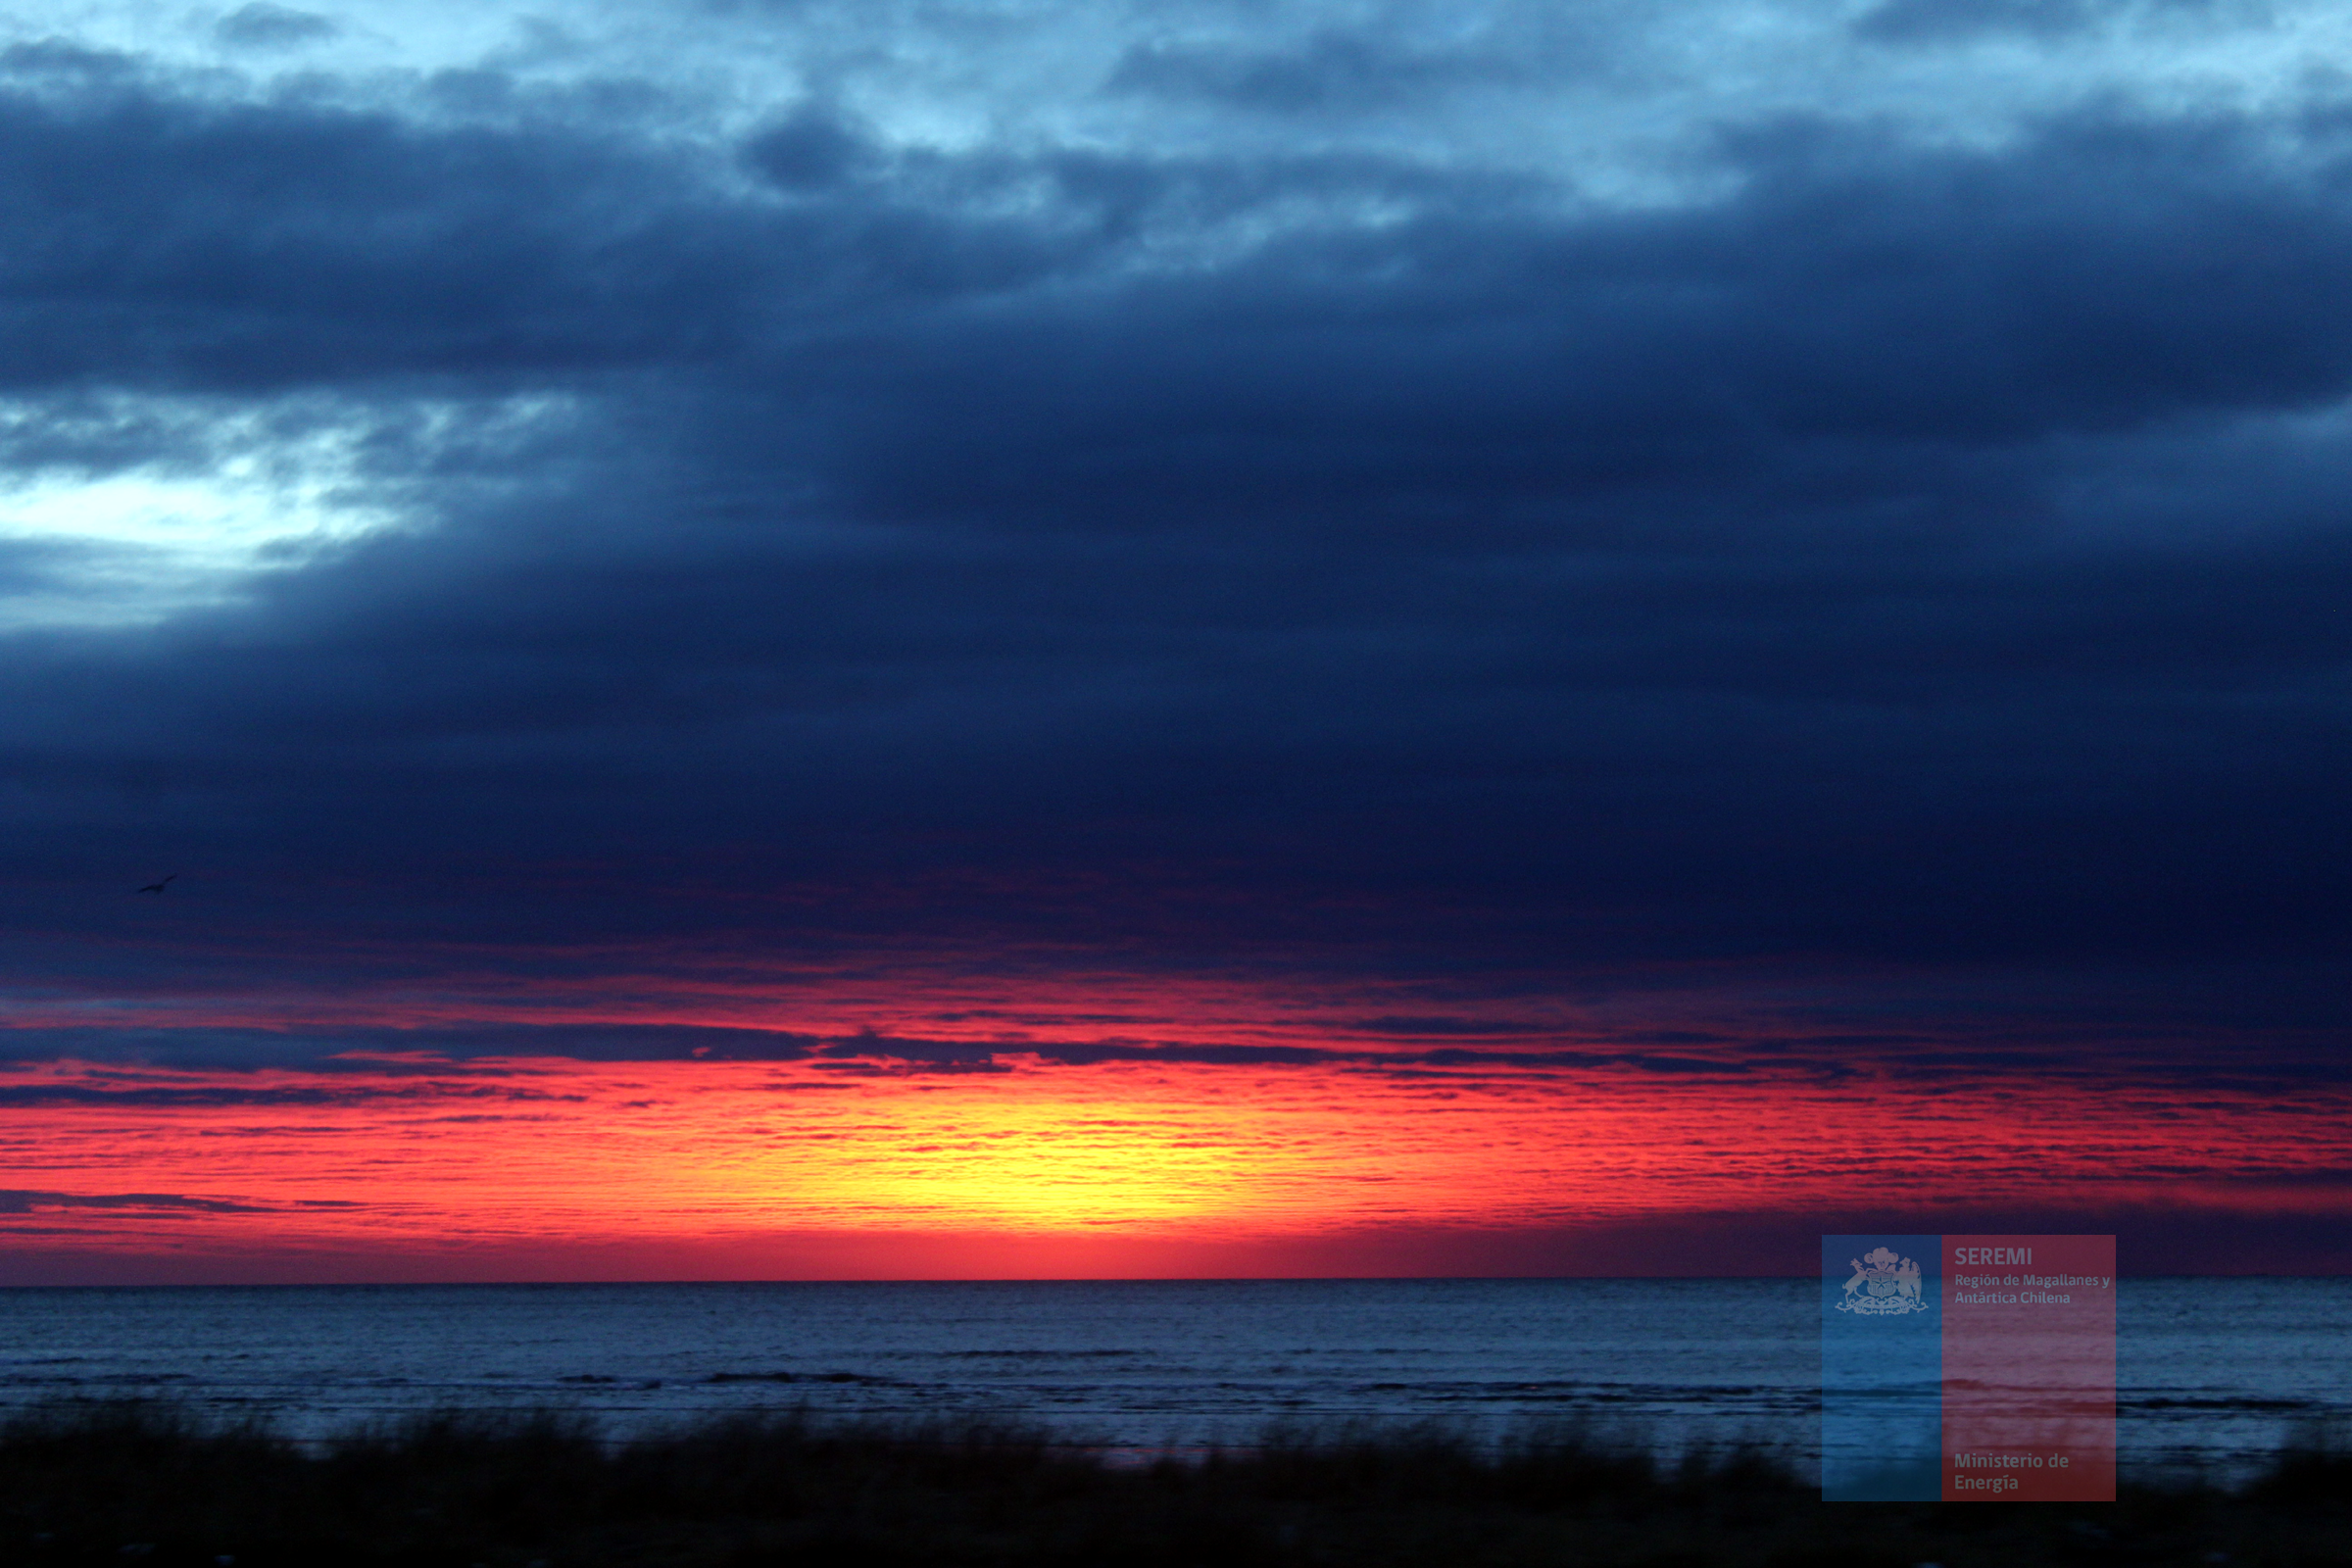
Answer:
x=1881 y=1368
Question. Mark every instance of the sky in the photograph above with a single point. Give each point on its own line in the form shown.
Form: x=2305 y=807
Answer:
x=1004 y=639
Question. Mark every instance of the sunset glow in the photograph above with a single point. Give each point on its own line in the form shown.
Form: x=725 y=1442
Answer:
x=770 y=1168
x=1020 y=637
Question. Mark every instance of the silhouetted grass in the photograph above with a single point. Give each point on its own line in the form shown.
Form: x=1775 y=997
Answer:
x=153 y=1486
x=2314 y=1468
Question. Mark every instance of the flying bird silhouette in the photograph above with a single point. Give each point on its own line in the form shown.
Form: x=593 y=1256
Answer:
x=158 y=886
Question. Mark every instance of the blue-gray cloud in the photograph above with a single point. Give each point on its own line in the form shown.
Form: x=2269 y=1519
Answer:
x=1940 y=20
x=1894 y=553
x=360 y=1065
x=1332 y=70
x=260 y=24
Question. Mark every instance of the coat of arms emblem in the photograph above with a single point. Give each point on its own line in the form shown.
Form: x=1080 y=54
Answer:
x=1884 y=1285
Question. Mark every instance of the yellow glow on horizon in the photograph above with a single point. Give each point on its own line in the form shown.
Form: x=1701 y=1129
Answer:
x=1033 y=1167
x=796 y=1170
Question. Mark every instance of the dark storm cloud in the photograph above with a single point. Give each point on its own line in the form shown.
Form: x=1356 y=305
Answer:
x=1905 y=554
x=168 y=243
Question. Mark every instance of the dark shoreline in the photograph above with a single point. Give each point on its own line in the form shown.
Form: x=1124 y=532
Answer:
x=151 y=1484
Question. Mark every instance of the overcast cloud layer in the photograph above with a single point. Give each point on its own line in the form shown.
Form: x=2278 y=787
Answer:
x=1762 y=491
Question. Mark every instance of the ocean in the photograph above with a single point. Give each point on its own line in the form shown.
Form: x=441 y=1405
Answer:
x=2213 y=1373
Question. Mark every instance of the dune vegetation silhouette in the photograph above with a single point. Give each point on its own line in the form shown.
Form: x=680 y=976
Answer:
x=157 y=1484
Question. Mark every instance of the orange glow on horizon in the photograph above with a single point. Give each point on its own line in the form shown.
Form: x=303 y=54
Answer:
x=764 y=1162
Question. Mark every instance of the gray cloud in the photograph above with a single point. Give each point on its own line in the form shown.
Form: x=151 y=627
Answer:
x=421 y=1067
x=262 y=26
x=1937 y=21
x=1324 y=559
x=1332 y=70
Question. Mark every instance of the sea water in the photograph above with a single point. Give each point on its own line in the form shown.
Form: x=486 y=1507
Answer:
x=2213 y=1373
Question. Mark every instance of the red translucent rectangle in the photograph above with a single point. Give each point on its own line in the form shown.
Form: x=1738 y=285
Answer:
x=2029 y=1368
